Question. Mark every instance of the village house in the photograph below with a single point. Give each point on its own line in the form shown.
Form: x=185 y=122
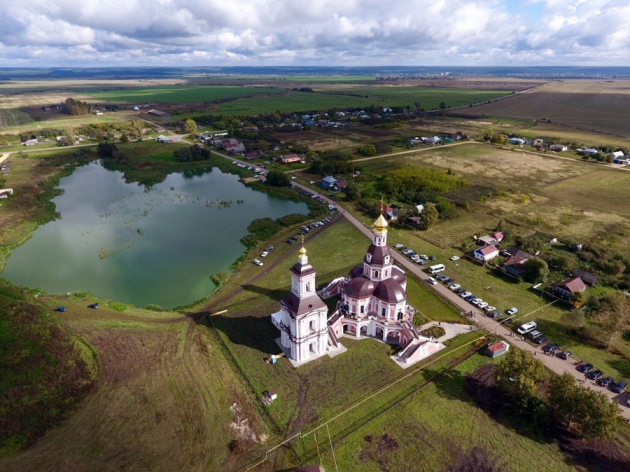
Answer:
x=328 y=182
x=586 y=277
x=340 y=185
x=486 y=253
x=488 y=240
x=250 y=129
x=558 y=148
x=516 y=258
x=569 y=286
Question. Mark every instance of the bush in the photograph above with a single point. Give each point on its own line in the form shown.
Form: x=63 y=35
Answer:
x=278 y=178
x=191 y=154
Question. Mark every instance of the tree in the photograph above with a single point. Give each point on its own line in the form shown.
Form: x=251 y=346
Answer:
x=367 y=150
x=352 y=191
x=190 y=127
x=278 y=178
x=430 y=215
x=124 y=138
x=106 y=149
x=191 y=154
x=518 y=376
x=535 y=270
x=578 y=298
x=589 y=413
x=442 y=106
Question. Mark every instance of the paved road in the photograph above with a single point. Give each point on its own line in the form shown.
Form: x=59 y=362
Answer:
x=554 y=363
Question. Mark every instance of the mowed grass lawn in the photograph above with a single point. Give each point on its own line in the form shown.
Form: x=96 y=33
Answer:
x=181 y=94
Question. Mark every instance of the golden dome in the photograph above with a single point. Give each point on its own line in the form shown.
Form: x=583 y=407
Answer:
x=302 y=251
x=381 y=224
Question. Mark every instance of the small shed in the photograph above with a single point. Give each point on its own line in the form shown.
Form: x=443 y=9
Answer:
x=498 y=349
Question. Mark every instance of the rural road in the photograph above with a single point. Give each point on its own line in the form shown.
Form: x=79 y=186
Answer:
x=554 y=363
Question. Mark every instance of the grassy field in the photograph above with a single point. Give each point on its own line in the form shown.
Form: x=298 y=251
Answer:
x=11 y=117
x=599 y=106
x=62 y=123
x=180 y=94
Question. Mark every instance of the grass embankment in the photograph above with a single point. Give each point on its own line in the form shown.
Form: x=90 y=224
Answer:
x=45 y=371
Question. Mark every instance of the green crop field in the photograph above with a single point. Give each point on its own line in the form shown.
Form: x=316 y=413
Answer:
x=180 y=94
x=429 y=97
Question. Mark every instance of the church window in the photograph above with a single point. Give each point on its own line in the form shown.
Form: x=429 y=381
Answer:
x=386 y=259
x=312 y=325
x=376 y=273
x=383 y=313
x=386 y=273
x=368 y=257
x=308 y=286
x=400 y=316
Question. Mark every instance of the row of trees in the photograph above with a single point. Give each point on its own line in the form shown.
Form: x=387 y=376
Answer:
x=558 y=400
x=76 y=107
x=192 y=153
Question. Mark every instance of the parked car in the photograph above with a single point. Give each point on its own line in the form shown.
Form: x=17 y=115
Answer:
x=489 y=308
x=619 y=387
x=494 y=314
x=454 y=287
x=432 y=281
x=550 y=348
x=290 y=241
x=605 y=382
x=448 y=280
x=534 y=334
x=512 y=311
x=441 y=277
x=399 y=246
x=60 y=308
x=566 y=354
x=94 y=306
x=454 y=258
x=257 y=262
x=460 y=290
x=424 y=256
x=432 y=258
x=594 y=375
x=269 y=248
x=482 y=305
x=264 y=254
x=540 y=340
x=465 y=294
x=584 y=368
x=477 y=301
x=470 y=297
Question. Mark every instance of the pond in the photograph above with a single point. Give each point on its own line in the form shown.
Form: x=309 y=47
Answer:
x=142 y=246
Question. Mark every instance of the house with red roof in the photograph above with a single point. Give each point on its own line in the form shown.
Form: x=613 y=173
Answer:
x=569 y=286
x=486 y=253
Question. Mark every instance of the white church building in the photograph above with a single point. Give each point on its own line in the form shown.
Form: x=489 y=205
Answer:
x=372 y=304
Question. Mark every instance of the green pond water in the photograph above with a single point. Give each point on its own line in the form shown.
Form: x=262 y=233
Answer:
x=122 y=242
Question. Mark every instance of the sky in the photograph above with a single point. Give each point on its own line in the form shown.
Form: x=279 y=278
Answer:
x=314 y=32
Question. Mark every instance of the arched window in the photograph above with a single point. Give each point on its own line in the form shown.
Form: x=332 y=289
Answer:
x=368 y=257
x=400 y=316
x=376 y=273
x=308 y=286
x=386 y=259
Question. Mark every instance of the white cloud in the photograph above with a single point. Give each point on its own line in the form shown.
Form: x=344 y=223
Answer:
x=327 y=32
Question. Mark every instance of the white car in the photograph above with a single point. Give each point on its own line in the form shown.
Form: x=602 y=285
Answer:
x=482 y=305
x=432 y=281
x=489 y=308
x=454 y=258
x=465 y=294
x=312 y=182
x=512 y=311
x=264 y=254
x=293 y=178
x=454 y=287
x=398 y=246
x=257 y=262
x=477 y=301
x=425 y=257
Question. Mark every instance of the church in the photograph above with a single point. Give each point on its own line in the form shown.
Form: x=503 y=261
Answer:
x=372 y=304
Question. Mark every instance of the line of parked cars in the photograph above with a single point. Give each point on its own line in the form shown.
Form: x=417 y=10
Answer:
x=315 y=196
x=587 y=369
x=420 y=259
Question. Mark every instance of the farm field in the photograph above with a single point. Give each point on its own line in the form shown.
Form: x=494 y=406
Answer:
x=180 y=94
x=428 y=97
x=599 y=106
x=11 y=118
x=61 y=122
x=32 y=86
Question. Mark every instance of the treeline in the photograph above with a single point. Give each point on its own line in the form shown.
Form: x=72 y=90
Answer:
x=76 y=107
x=333 y=162
x=192 y=154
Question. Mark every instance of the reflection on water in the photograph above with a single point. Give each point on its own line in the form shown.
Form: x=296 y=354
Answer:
x=142 y=246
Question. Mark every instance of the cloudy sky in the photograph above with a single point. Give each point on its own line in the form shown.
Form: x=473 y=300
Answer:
x=314 y=32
